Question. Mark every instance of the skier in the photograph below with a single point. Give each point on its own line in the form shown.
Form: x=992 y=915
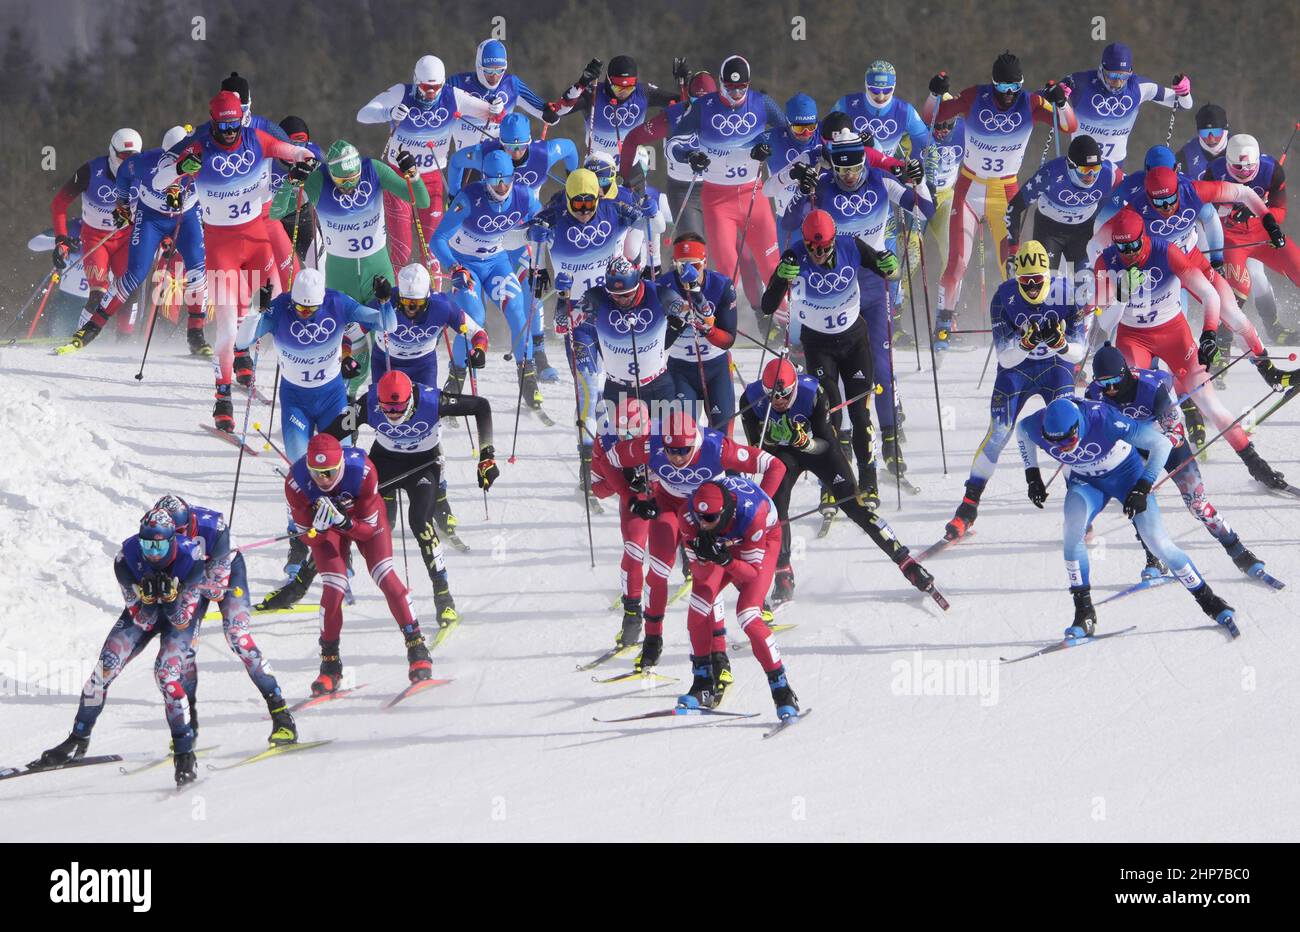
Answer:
x=1209 y=143
x=1139 y=281
x=421 y=117
x=1067 y=192
x=786 y=414
x=225 y=581
x=1106 y=100
x=230 y=175
x=161 y=574
x=616 y=106
x=104 y=235
x=1040 y=335
x=301 y=221
x=821 y=275
x=878 y=114
x=788 y=144
x=1100 y=449
x=335 y=493
x=406 y=417
x=725 y=513
x=490 y=82
x=1147 y=395
x=999 y=121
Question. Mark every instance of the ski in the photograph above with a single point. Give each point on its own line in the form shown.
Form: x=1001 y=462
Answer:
x=681 y=591
x=1136 y=587
x=542 y=416
x=1069 y=642
x=418 y=686
x=66 y=349
x=158 y=762
x=444 y=632
x=596 y=507
x=8 y=772
x=312 y=701
x=636 y=675
x=787 y=722
x=229 y=438
x=617 y=651
x=940 y=546
x=673 y=712
x=1287 y=490
x=827 y=521
x=274 y=752
x=939 y=599
x=455 y=541
x=298 y=608
x=1259 y=575
x=775 y=629
x=903 y=481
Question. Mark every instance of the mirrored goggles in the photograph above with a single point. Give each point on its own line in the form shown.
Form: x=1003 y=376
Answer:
x=1008 y=87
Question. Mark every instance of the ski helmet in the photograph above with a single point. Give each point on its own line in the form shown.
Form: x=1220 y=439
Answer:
x=1083 y=160
x=622 y=277
x=1062 y=422
x=177 y=507
x=621 y=71
x=1161 y=185
x=602 y=165
x=1243 y=157
x=173 y=136
x=490 y=62
x=1007 y=70
x=818 y=233
x=583 y=188
x=880 y=80
x=837 y=127
x=157 y=535
x=430 y=75
x=680 y=433
x=734 y=76
x=126 y=143
x=498 y=174
x=344 y=163
x=394 y=394
x=1128 y=233
x=515 y=131
x=1109 y=368
x=780 y=380
x=1116 y=66
x=324 y=454
x=295 y=127
x=1212 y=128
x=714 y=504
x=1033 y=271
x=1159 y=156
x=701 y=84
x=308 y=291
x=412 y=289
x=801 y=114
x=225 y=110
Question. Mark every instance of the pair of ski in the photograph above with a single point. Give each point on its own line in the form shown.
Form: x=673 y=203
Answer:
x=677 y=711
x=679 y=593
x=418 y=686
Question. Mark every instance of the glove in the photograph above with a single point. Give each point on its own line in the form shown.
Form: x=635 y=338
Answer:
x=174 y=198
x=760 y=152
x=461 y=280
x=1240 y=213
x=328 y=516
x=690 y=276
x=680 y=72
x=1277 y=379
x=1028 y=336
x=349 y=368
x=1207 y=348
x=801 y=440
x=910 y=172
x=541 y=282
x=147 y=590
x=190 y=162
x=1051 y=334
x=1136 y=501
x=382 y=287
x=1136 y=279
x=121 y=215
x=710 y=549
x=1037 y=491
x=649 y=207
x=497 y=109
x=487 y=468
x=1055 y=93
x=939 y=84
x=1275 y=235
x=591 y=74
x=1182 y=84
x=539 y=231
x=805 y=176
x=63 y=245
x=646 y=509
x=886 y=264
x=299 y=172
x=779 y=432
x=788 y=267
x=399 y=113
x=564 y=283
x=549 y=116
x=698 y=161
x=477 y=356
x=703 y=323
x=168 y=588
x=407 y=165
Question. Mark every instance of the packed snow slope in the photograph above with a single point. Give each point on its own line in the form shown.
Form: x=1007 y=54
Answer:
x=1171 y=732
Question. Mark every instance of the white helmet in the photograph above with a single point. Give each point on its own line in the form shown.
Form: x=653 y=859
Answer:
x=309 y=288
x=429 y=70
x=173 y=136
x=1243 y=157
x=413 y=281
x=124 y=144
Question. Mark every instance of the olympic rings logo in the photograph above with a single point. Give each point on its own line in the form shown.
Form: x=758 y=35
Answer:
x=1111 y=106
x=621 y=116
x=881 y=129
x=528 y=178
x=309 y=331
x=1083 y=453
x=498 y=223
x=1137 y=412
x=409 y=334
x=427 y=119
x=1071 y=198
x=357 y=197
x=996 y=122
x=1175 y=224
x=634 y=322
x=236 y=163
x=1050 y=319
x=734 y=124
x=106 y=192
x=413 y=431
x=828 y=282
x=949 y=156
x=585 y=237
x=685 y=475
x=849 y=204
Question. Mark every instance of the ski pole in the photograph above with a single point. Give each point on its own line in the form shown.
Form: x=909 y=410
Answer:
x=911 y=299
x=243 y=439
x=984 y=303
x=898 y=449
x=570 y=349
x=293 y=271
x=452 y=362
x=744 y=231
x=176 y=232
x=270 y=444
x=934 y=366
x=1235 y=421
x=39 y=290
x=401 y=518
x=677 y=221
x=1287 y=148
x=40 y=309
x=476 y=446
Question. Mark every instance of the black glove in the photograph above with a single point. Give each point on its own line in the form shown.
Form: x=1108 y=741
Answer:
x=698 y=161
x=910 y=171
x=1051 y=333
x=680 y=71
x=299 y=172
x=644 y=508
x=710 y=549
x=406 y=163
x=1241 y=214
x=476 y=358
x=1136 y=501
x=1067 y=82
x=487 y=468
x=638 y=482
x=549 y=116
x=349 y=367
x=805 y=176
x=591 y=73
x=382 y=287
x=541 y=282
x=122 y=215
x=760 y=152
x=1037 y=491
x=1275 y=235
x=1207 y=348
x=939 y=84
x=63 y=245
x=1055 y=93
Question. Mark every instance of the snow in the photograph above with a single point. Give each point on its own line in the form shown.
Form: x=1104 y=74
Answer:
x=1169 y=733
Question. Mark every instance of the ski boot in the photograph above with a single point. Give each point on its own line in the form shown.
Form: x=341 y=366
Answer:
x=1283 y=336
x=1259 y=469
x=1216 y=608
x=966 y=512
x=1085 y=616
x=1195 y=424
x=943 y=331
x=787 y=703
x=722 y=678
x=915 y=573
x=442 y=515
x=1243 y=559
x=198 y=345
x=185 y=767
x=443 y=603
x=243 y=368
x=700 y=695
x=528 y=384
x=223 y=412
x=417 y=655
x=652 y=647
x=297 y=554
x=83 y=336
x=290 y=593
x=455 y=380
x=828 y=509
x=283 y=729
x=69 y=749
x=892 y=453
x=631 y=631
x=1154 y=568
x=783 y=586
x=331 y=669
x=545 y=371
x=868 y=487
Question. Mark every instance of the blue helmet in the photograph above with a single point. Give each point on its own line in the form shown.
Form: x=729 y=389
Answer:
x=801 y=110
x=515 y=130
x=491 y=56
x=1159 y=157
x=1117 y=57
x=157 y=535
x=177 y=507
x=621 y=276
x=1062 y=420
x=1109 y=363
x=497 y=166
x=881 y=75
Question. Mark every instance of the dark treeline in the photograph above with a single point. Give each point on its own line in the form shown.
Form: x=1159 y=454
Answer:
x=324 y=60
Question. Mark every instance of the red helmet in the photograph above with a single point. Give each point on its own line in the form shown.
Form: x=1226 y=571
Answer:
x=680 y=431
x=702 y=83
x=225 y=108
x=819 y=229
x=1128 y=227
x=1162 y=182
x=324 y=452
x=394 y=391
x=780 y=377
x=714 y=501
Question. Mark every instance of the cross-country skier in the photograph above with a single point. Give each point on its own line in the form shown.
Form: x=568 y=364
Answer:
x=616 y=106
x=491 y=82
x=301 y=221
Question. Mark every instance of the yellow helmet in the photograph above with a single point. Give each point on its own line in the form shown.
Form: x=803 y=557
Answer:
x=581 y=183
x=1033 y=271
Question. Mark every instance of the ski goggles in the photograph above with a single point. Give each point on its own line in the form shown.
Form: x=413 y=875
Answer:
x=412 y=306
x=392 y=409
x=1008 y=87
x=325 y=473
x=155 y=549
x=430 y=91
x=876 y=90
x=304 y=310
x=1111 y=381
x=583 y=202
x=516 y=150
x=345 y=181
x=802 y=131
x=623 y=80
x=227 y=126
x=735 y=91
x=1116 y=79
x=1086 y=171
x=1131 y=247
x=1211 y=134
x=1066 y=441
x=1168 y=202
x=1033 y=284
x=497 y=73
x=679 y=451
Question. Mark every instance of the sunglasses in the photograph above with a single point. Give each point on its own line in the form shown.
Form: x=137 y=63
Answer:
x=326 y=473
x=880 y=91
x=1032 y=281
x=430 y=90
x=228 y=127
x=680 y=265
x=305 y=310
x=735 y=90
x=125 y=154
x=346 y=181
x=1008 y=87
x=1117 y=77
x=784 y=392
x=494 y=72
x=803 y=130
x=1066 y=441
x=155 y=548
x=708 y=520
x=1163 y=202
x=625 y=81
x=1134 y=246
